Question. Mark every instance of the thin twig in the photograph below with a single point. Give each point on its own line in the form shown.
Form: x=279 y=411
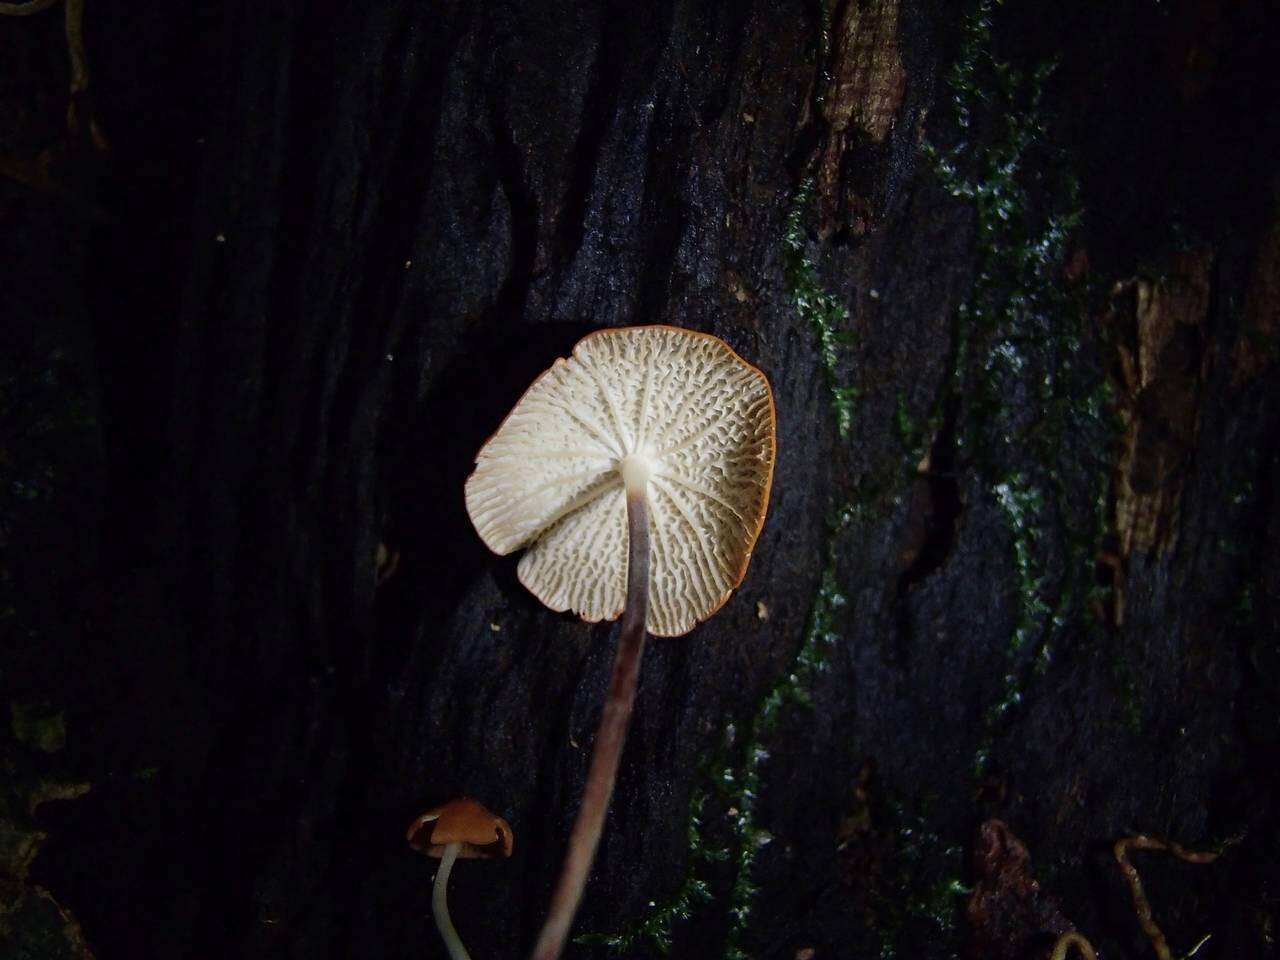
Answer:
x=1069 y=940
x=1141 y=905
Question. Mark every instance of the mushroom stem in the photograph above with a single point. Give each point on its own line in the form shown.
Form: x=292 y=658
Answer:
x=610 y=736
x=440 y=905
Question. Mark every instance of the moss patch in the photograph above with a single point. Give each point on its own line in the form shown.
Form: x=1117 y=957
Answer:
x=737 y=784
x=743 y=784
x=819 y=308
x=654 y=929
x=928 y=888
x=1032 y=394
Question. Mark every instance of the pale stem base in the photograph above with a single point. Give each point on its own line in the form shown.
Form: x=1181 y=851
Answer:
x=440 y=906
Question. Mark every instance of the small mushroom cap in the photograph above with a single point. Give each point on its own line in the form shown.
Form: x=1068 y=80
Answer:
x=677 y=407
x=464 y=821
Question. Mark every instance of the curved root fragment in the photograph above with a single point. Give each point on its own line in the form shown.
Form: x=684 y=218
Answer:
x=1141 y=905
x=1069 y=940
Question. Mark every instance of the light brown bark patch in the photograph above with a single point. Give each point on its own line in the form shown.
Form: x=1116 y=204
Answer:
x=866 y=89
x=1160 y=331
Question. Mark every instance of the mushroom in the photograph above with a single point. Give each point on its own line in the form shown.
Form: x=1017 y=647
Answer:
x=459 y=828
x=636 y=475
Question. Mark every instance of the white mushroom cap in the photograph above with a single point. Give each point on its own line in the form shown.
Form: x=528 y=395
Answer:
x=671 y=409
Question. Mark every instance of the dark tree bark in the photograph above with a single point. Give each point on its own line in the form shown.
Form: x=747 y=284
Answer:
x=1014 y=273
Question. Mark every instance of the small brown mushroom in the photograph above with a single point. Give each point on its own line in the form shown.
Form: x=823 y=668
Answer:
x=459 y=828
x=635 y=475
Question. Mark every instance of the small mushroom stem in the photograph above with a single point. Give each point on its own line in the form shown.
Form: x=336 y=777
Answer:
x=440 y=905
x=610 y=737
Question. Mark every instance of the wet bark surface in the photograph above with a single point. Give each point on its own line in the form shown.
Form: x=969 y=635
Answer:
x=1014 y=274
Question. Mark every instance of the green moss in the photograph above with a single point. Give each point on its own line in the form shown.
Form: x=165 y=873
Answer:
x=655 y=927
x=903 y=424
x=737 y=785
x=919 y=903
x=828 y=317
x=822 y=310
x=790 y=692
x=1023 y=378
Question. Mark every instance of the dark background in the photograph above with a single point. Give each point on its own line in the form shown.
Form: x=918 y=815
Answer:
x=1014 y=273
